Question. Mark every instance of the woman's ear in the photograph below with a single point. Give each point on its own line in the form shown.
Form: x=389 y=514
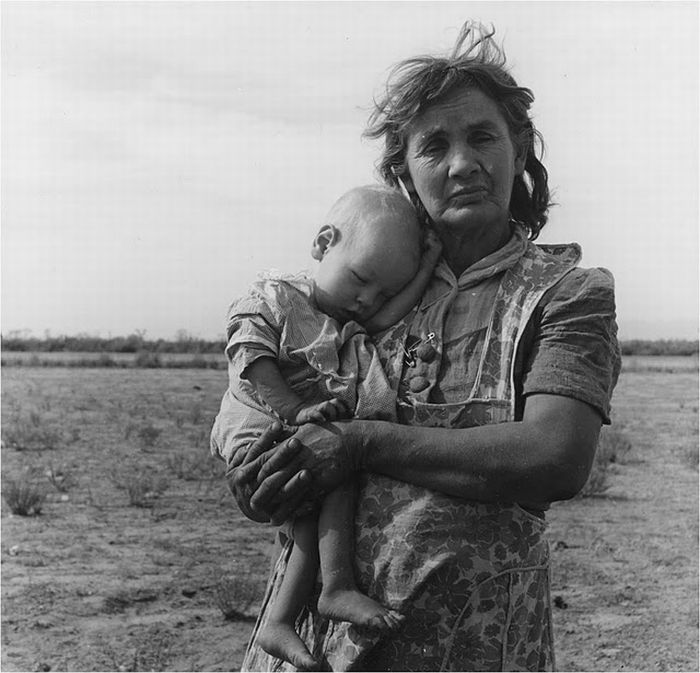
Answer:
x=327 y=236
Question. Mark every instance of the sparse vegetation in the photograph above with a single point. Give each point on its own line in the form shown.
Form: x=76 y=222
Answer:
x=148 y=360
x=23 y=494
x=613 y=447
x=84 y=350
x=60 y=478
x=236 y=595
x=113 y=360
x=690 y=456
x=659 y=347
x=144 y=580
x=190 y=466
x=86 y=343
x=30 y=431
x=143 y=485
x=148 y=435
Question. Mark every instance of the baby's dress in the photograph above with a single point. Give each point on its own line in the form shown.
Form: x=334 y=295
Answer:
x=318 y=357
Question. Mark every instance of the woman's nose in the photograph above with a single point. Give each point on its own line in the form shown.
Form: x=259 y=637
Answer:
x=462 y=162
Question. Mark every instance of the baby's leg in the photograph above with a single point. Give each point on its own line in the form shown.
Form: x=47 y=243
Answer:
x=279 y=637
x=340 y=598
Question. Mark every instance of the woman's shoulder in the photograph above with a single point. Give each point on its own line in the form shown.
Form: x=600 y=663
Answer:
x=582 y=284
x=581 y=303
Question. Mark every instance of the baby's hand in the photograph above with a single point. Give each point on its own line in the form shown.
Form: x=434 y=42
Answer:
x=432 y=248
x=330 y=410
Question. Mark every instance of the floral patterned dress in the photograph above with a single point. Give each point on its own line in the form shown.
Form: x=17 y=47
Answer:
x=471 y=579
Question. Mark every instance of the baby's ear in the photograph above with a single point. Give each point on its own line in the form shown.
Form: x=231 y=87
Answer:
x=327 y=236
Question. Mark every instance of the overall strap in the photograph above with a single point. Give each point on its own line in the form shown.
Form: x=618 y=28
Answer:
x=521 y=289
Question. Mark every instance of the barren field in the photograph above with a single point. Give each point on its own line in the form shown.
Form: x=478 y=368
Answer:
x=139 y=560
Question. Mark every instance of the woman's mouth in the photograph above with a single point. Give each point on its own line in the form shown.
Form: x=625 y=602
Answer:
x=472 y=195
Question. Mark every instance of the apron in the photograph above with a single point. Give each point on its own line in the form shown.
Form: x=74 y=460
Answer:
x=471 y=579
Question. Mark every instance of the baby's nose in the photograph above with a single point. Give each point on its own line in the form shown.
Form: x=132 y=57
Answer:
x=367 y=297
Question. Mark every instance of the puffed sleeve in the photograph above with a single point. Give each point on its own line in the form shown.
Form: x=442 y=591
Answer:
x=254 y=326
x=574 y=350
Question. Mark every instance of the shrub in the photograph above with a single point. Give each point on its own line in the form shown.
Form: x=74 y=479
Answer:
x=32 y=431
x=106 y=360
x=148 y=435
x=61 y=480
x=23 y=495
x=196 y=413
x=182 y=464
x=194 y=466
x=147 y=360
x=235 y=595
x=142 y=487
x=613 y=447
x=690 y=456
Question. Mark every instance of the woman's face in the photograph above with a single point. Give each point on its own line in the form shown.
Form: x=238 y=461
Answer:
x=461 y=162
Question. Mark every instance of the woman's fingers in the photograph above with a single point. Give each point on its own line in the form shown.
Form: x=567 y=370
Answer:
x=292 y=496
x=280 y=459
x=241 y=488
x=289 y=483
x=272 y=434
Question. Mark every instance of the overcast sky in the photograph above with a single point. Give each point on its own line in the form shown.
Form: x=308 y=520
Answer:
x=157 y=155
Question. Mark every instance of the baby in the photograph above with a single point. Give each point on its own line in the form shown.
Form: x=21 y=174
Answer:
x=298 y=351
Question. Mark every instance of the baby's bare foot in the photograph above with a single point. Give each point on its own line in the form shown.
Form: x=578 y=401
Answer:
x=347 y=605
x=281 y=641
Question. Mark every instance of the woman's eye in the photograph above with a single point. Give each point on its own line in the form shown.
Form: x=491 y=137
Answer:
x=433 y=148
x=481 y=138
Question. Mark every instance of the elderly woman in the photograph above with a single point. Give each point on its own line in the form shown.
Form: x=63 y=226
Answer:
x=504 y=370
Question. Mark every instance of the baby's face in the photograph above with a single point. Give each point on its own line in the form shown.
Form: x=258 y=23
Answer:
x=355 y=277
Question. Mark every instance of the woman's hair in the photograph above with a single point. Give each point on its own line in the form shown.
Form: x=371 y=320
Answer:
x=477 y=62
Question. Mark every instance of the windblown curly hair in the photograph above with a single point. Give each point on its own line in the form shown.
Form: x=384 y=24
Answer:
x=476 y=61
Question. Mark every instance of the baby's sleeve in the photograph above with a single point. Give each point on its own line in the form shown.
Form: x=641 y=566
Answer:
x=254 y=326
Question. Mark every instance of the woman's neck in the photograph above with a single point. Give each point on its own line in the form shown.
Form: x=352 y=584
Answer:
x=462 y=250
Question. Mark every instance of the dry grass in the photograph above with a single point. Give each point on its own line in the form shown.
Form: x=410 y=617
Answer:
x=149 y=588
x=143 y=485
x=23 y=494
x=614 y=446
x=31 y=430
x=235 y=595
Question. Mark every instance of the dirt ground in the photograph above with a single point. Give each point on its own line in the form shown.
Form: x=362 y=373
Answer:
x=95 y=583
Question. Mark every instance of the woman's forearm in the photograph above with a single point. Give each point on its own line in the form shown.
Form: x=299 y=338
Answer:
x=545 y=457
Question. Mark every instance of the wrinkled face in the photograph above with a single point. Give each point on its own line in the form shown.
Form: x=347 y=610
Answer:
x=461 y=162
x=356 y=276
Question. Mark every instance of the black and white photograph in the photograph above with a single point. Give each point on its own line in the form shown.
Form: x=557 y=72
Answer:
x=349 y=336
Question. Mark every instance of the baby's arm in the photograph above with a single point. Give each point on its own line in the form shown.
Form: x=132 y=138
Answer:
x=399 y=305
x=266 y=378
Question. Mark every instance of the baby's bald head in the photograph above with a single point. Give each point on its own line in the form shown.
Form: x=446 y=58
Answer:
x=368 y=250
x=375 y=214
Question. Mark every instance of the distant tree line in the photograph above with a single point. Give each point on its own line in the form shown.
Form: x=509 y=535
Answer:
x=659 y=347
x=185 y=343
x=133 y=343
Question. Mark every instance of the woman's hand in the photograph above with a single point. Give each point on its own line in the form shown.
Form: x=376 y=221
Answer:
x=286 y=486
x=330 y=452
x=279 y=477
